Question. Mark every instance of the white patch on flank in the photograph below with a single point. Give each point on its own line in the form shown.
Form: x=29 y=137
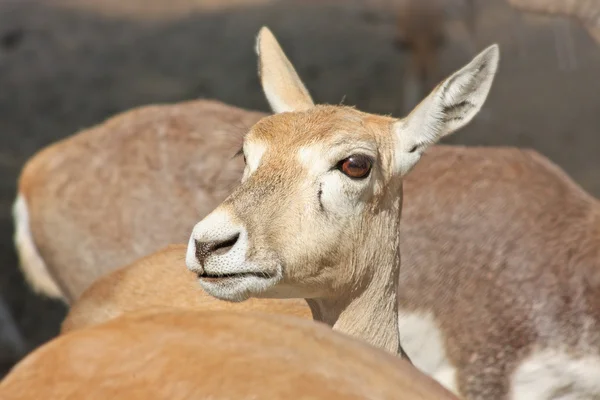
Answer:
x=553 y=374
x=422 y=341
x=31 y=262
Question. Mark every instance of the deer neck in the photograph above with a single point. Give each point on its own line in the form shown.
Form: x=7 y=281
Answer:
x=371 y=315
x=368 y=309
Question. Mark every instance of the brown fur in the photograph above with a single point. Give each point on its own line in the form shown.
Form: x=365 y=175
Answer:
x=508 y=247
x=359 y=301
x=160 y=280
x=505 y=229
x=421 y=33
x=168 y=151
x=218 y=355
x=336 y=260
x=346 y=262
x=421 y=30
x=298 y=227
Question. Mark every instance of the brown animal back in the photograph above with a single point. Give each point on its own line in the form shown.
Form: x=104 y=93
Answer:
x=503 y=249
x=113 y=189
x=218 y=355
x=160 y=280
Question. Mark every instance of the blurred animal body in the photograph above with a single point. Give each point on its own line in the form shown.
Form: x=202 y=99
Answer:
x=183 y=354
x=122 y=190
x=421 y=31
x=586 y=12
x=160 y=280
x=500 y=248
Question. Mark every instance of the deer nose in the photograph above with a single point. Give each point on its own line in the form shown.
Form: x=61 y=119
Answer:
x=215 y=247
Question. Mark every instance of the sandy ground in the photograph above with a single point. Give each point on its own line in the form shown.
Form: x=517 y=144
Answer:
x=68 y=64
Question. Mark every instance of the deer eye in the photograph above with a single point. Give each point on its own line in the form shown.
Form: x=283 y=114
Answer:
x=356 y=166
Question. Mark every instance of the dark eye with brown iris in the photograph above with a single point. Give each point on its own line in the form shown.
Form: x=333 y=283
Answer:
x=356 y=166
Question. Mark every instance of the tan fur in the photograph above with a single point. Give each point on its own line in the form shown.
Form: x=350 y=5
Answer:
x=160 y=280
x=472 y=254
x=356 y=312
x=498 y=213
x=218 y=355
x=299 y=227
x=103 y=198
x=359 y=301
x=511 y=266
x=274 y=64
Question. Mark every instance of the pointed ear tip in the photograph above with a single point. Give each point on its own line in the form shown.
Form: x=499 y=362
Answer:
x=264 y=33
x=493 y=52
x=261 y=33
x=265 y=38
x=489 y=58
x=263 y=30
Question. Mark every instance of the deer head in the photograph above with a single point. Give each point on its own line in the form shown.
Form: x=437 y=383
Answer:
x=318 y=209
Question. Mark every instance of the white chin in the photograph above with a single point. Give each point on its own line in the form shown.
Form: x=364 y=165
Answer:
x=238 y=288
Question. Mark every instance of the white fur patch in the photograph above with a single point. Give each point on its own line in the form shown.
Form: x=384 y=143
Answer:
x=218 y=226
x=31 y=262
x=337 y=193
x=312 y=159
x=553 y=374
x=190 y=256
x=253 y=277
x=422 y=341
x=254 y=151
x=276 y=100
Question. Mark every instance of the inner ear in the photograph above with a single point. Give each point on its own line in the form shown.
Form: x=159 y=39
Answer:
x=452 y=104
x=283 y=87
x=449 y=107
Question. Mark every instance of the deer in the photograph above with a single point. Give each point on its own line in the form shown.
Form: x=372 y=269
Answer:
x=182 y=354
x=585 y=12
x=46 y=204
x=318 y=209
x=160 y=280
x=128 y=167
x=495 y=255
x=420 y=33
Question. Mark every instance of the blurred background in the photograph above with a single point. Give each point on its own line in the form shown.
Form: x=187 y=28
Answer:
x=69 y=64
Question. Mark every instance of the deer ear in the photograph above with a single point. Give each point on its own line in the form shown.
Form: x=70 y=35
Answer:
x=449 y=107
x=280 y=82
